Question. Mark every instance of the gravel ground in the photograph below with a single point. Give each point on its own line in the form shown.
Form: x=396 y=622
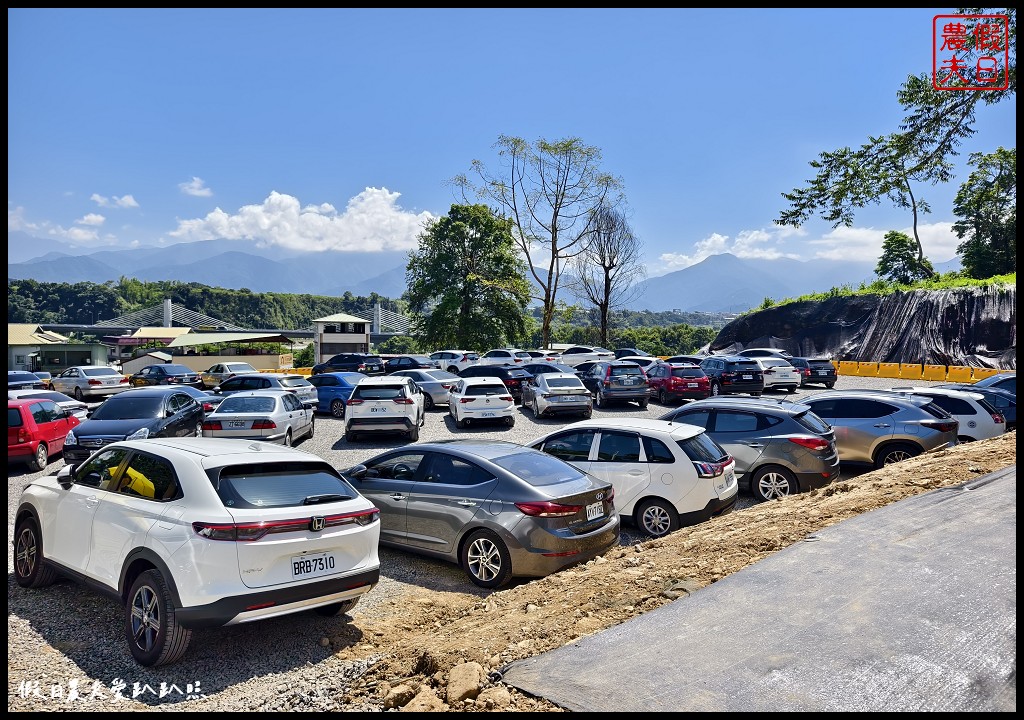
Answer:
x=65 y=646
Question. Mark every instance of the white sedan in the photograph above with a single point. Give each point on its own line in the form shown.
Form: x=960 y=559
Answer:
x=585 y=353
x=196 y=533
x=275 y=416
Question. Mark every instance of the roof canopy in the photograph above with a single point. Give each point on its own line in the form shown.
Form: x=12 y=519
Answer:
x=192 y=339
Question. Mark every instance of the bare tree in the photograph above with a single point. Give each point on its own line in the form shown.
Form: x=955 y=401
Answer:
x=549 y=190
x=608 y=270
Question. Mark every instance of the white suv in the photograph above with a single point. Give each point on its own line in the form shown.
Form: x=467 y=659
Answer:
x=199 y=532
x=666 y=475
x=483 y=398
x=505 y=356
x=979 y=420
x=385 y=403
x=454 y=361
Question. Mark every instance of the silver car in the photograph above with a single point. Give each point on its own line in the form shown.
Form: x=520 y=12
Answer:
x=274 y=416
x=90 y=382
x=878 y=428
x=225 y=371
x=435 y=384
x=304 y=390
x=557 y=394
x=498 y=509
x=780 y=447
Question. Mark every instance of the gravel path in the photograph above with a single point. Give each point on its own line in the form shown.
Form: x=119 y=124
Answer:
x=65 y=649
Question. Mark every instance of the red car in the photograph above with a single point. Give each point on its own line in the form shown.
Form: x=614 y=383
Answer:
x=672 y=382
x=36 y=428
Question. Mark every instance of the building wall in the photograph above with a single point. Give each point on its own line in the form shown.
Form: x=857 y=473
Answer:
x=336 y=338
x=55 y=358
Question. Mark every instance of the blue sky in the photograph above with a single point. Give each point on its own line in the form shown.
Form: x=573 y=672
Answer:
x=340 y=129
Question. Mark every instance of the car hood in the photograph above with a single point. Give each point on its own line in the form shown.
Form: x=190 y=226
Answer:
x=108 y=428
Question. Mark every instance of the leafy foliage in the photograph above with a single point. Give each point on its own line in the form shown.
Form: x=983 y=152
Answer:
x=986 y=206
x=466 y=284
x=886 y=287
x=399 y=345
x=899 y=262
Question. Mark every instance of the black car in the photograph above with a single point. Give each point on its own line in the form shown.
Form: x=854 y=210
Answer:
x=513 y=377
x=148 y=412
x=410 y=362
x=166 y=374
x=542 y=368
x=24 y=380
x=731 y=374
x=352 y=362
x=815 y=371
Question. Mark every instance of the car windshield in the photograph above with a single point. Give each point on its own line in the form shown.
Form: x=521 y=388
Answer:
x=539 y=469
x=55 y=396
x=290 y=382
x=621 y=370
x=275 y=485
x=96 y=372
x=122 y=407
x=235 y=404
x=177 y=370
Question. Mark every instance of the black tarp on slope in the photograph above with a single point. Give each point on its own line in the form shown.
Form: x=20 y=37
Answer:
x=911 y=607
x=960 y=326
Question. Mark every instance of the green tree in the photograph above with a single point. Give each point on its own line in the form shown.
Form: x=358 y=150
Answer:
x=899 y=261
x=399 y=345
x=549 y=191
x=986 y=208
x=304 y=358
x=466 y=284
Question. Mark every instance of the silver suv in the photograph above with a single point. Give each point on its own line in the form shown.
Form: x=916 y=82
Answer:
x=878 y=428
x=385 y=404
x=781 y=447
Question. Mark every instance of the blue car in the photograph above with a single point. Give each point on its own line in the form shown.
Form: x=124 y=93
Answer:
x=334 y=389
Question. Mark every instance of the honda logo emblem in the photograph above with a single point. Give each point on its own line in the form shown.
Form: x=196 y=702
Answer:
x=316 y=524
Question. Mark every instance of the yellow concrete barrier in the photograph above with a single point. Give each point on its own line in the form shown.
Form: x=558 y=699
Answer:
x=888 y=370
x=958 y=373
x=933 y=372
x=912 y=371
x=847 y=367
x=867 y=369
x=980 y=373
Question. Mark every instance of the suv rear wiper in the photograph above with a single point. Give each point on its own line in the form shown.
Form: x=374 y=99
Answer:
x=327 y=497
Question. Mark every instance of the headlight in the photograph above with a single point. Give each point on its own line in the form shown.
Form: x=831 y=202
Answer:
x=140 y=434
x=70 y=439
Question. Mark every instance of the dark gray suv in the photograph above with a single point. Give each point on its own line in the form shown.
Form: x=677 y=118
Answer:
x=780 y=447
x=617 y=380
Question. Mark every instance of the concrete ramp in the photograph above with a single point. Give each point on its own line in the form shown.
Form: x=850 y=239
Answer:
x=908 y=608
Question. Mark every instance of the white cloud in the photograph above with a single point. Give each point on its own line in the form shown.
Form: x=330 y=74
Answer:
x=865 y=244
x=759 y=244
x=76 y=234
x=125 y=201
x=16 y=220
x=91 y=219
x=196 y=188
x=372 y=220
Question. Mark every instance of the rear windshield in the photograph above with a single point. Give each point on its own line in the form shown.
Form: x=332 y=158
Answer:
x=538 y=469
x=275 y=485
x=565 y=382
x=123 y=407
x=96 y=372
x=623 y=370
x=379 y=392
x=820 y=365
x=812 y=422
x=235 y=404
x=691 y=372
x=22 y=377
x=239 y=367
x=13 y=417
x=701 y=448
x=482 y=390
x=744 y=366
x=932 y=409
x=296 y=381
x=178 y=370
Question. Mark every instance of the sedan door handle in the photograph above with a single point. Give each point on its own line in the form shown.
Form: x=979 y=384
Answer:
x=398 y=496
x=466 y=503
x=92 y=501
x=753 y=445
x=882 y=425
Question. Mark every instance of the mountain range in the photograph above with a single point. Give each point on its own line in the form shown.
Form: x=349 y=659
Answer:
x=719 y=283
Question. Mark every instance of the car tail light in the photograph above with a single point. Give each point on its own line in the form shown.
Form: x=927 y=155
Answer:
x=95 y=382
x=124 y=381
x=264 y=424
x=23 y=436
x=354 y=401
x=942 y=425
x=547 y=509
x=463 y=401
x=709 y=469
x=361 y=367
x=811 y=443
x=998 y=419
x=506 y=397
x=768 y=371
x=207 y=407
x=247 y=532
x=212 y=425
x=403 y=401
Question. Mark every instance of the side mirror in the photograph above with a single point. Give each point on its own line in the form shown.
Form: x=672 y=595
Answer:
x=65 y=476
x=356 y=472
x=309 y=406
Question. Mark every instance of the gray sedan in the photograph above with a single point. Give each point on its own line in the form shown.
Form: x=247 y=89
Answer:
x=434 y=384
x=90 y=381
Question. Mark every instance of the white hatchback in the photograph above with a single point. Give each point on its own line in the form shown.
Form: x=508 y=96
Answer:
x=197 y=532
x=779 y=374
x=480 y=399
x=666 y=475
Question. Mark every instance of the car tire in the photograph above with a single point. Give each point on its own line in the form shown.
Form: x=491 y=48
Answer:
x=772 y=482
x=338 y=408
x=510 y=420
x=350 y=436
x=643 y=404
x=791 y=389
x=414 y=433
x=199 y=429
x=716 y=389
x=656 y=517
x=600 y=400
x=453 y=370
x=312 y=427
x=41 y=458
x=895 y=453
x=151 y=623
x=288 y=439
x=830 y=385
x=428 y=402
x=338 y=608
x=79 y=395
x=486 y=560
x=30 y=570
x=663 y=397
